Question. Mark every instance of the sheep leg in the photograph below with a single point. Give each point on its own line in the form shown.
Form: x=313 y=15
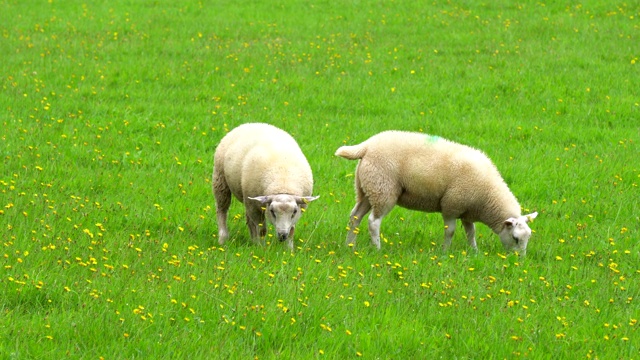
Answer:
x=470 y=229
x=291 y=237
x=256 y=225
x=374 y=229
x=222 y=195
x=375 y=220
x=357 y=214
x=449 y=230
x=380 y=191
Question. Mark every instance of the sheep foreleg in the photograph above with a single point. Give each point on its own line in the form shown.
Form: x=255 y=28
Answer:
x=256 y=225
x=470 y=229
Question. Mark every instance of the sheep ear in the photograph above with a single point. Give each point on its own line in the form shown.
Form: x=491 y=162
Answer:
x=530 y=217
x=305 y=199
x=262 y=199
x=510 y=222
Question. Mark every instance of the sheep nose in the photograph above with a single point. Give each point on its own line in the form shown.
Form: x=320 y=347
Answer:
x=282 y=236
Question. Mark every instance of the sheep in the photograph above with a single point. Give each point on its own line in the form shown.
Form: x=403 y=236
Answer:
x=431 y=174
x=262 y=166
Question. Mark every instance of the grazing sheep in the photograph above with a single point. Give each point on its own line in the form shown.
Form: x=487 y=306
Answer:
x=431 y=174
x=263 y=167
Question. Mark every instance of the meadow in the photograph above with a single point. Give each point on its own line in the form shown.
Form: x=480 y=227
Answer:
x=111 y=112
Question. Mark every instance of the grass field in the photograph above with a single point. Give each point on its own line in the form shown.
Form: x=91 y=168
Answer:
x=111 y=112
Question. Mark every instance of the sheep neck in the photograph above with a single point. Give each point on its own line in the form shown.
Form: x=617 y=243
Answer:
x=500 y=208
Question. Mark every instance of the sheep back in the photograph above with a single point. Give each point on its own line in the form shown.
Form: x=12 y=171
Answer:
x=260 y=159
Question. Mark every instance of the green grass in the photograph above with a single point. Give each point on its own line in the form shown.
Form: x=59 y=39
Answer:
x=111 y=112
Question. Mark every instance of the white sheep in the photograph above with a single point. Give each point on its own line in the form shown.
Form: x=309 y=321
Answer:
x=263 y=167
x=428 y=173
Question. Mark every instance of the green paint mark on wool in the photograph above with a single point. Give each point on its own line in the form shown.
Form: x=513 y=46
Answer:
x=430 y=139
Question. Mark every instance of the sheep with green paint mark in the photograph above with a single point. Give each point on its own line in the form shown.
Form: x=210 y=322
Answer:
x=428 y=173
x=263 y=167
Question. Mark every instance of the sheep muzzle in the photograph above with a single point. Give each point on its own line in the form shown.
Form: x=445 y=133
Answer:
x=282 y=236
x=285 y=234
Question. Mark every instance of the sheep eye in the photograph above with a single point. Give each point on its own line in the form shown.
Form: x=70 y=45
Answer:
x=295 y=211
x=273 y=213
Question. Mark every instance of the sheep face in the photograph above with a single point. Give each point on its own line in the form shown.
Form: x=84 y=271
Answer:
x=284 y=211
x=516 y=233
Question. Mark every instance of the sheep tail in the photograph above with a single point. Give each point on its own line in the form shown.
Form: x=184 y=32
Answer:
x=352 y=152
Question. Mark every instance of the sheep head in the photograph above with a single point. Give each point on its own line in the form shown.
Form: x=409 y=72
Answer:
x=516 y=233
x=284 y=211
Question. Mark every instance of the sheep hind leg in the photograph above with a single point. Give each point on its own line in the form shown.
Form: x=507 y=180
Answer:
x=222 y=195
x=357 y=214
x=470 y=229
x=375 y=220
x=449 y=230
